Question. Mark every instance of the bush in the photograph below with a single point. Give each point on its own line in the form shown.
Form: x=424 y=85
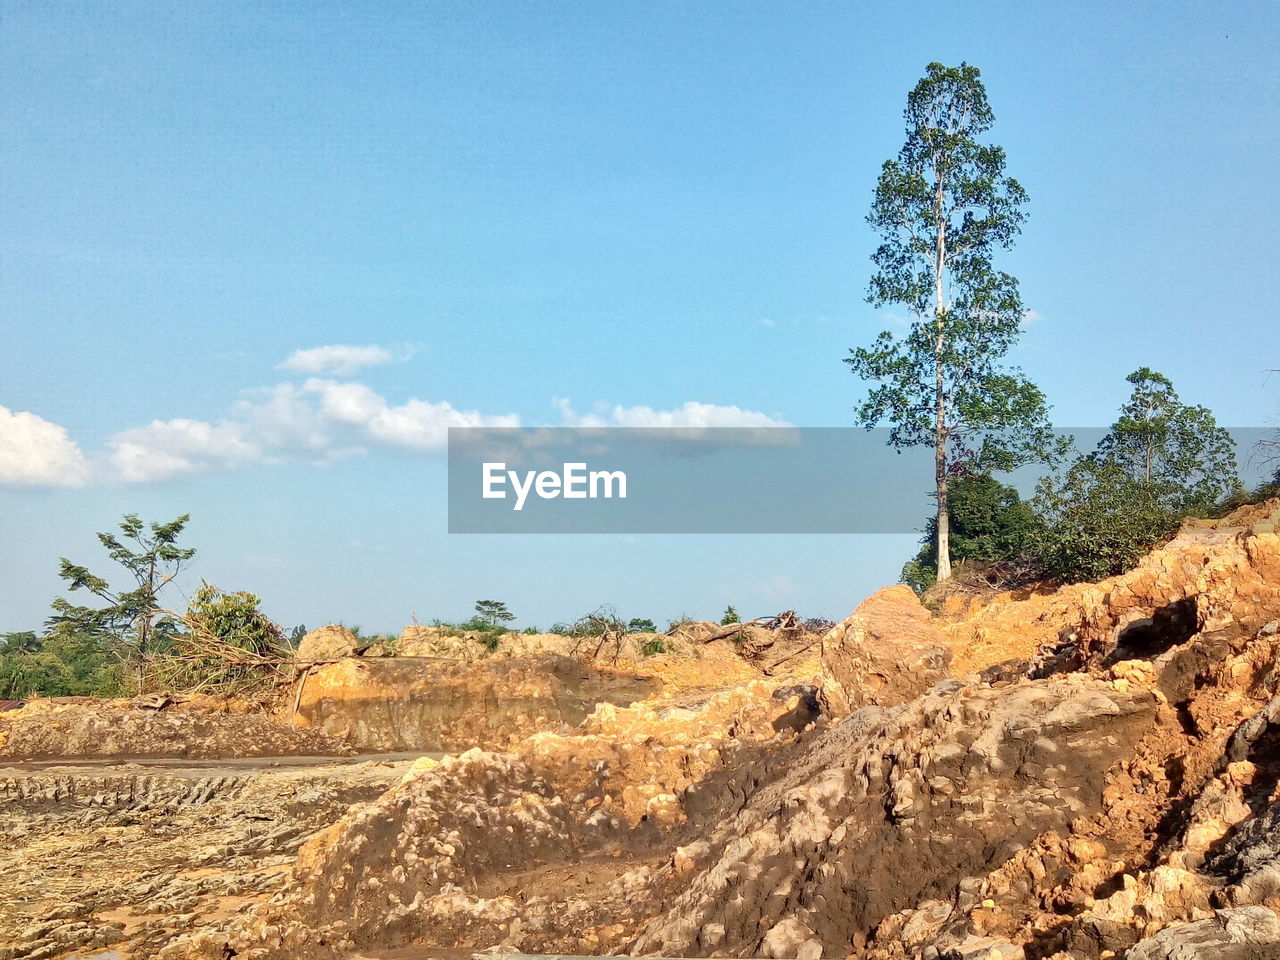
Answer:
x=229 y=646
x=654 y=646
x=1100 y=521
x=989 y=522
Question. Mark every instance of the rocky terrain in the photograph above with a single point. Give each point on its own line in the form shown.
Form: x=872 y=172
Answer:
x=1086 y=772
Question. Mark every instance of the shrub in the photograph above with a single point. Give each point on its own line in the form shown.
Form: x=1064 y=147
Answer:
x=654 y=646
x=989 y=522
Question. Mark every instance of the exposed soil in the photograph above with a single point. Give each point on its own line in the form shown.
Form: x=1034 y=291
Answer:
x=127 y=854
x=1099 y=778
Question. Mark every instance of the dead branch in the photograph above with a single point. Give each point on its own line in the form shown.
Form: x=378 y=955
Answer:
x=788 y=620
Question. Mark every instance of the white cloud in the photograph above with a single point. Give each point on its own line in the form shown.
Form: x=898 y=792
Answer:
x=690 y=414
x=413 y=425
x=340 y=360
x=319 y=421
x=171 y=448
x=1030 y=318
x=36 y=452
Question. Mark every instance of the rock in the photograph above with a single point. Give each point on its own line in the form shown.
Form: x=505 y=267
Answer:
x=1238 y=933
x=888 y=651
x=327 y=643
x=791 y=939
x=859 y=813
x=984 y=948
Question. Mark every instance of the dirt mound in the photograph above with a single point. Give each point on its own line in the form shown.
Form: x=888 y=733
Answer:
x=327 y=643
x=84 y=728
x=887 y=652
x=400 y=703
x=431 y=860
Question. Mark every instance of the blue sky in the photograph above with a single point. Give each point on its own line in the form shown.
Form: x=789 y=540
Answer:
x=631 y=207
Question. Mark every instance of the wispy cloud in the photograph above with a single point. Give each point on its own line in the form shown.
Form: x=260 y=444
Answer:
x=690 y=414
x=36 y=452
x=340 y=359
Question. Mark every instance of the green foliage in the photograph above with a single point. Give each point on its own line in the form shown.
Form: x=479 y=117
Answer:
x=641 y=625
x=131 y=618
x=531 y=631
x=990 y=522
x=1160 y=462
x=63 y=664
x=491 y=640
x=654 y=646
x=730 y=616
x=493 y=612
x=1099 y=521
x=942 y=209
x=229 y=646
x=24 y=641
x=234 y=619
x=1177 y=448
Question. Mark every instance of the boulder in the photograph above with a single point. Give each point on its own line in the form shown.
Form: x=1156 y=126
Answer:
x=1240 y=933
x=327 y=643
x=888 y=651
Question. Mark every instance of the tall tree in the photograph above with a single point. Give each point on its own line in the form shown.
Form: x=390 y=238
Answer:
x=943 y=208
x=133 y=616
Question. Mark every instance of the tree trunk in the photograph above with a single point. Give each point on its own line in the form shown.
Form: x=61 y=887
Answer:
x=944 y=514
x=939 y=396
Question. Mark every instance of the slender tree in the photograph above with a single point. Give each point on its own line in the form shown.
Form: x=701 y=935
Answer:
x=942 y=209
x=134 y=616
